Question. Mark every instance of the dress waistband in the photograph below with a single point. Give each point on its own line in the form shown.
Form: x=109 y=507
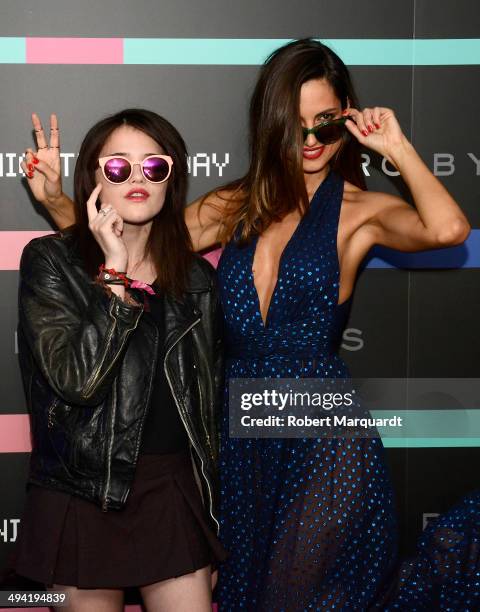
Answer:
x=301 y=339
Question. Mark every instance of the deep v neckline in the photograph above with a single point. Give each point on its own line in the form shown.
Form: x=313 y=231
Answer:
x=289 y=242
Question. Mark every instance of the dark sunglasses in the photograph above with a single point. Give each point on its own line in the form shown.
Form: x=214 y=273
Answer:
x=117 y=169
x=328 y=132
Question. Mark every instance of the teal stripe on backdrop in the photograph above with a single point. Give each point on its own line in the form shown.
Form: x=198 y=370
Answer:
x=452 y=51
x=431 y=442
x=198 y=51
x=13 y=50
x=361 y=52
x=431 y=428
x=435 y=424
x=253 y=51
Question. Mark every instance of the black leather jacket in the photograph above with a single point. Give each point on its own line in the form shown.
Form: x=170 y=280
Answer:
x=88 y=360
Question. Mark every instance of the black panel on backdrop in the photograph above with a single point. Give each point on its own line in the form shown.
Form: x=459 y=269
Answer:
x=445 y=326
x=209 y=18
x=13 y=475
x=446 y=19
x=375 y=341
x=445 y=126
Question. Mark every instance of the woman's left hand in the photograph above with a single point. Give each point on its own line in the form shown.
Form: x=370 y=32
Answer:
x=376 y=128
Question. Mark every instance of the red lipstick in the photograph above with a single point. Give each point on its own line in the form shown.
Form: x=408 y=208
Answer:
x=313 y=152
x=137 y=195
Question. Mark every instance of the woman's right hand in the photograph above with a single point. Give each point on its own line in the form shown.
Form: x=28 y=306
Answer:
x=106 y=226
x=42 y=167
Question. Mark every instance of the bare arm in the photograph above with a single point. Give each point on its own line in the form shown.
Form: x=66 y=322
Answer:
x=436 y=221
x=61 y=211
x=204 y=220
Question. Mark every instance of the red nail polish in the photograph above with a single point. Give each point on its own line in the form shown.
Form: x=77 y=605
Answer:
x=370 y=129
x=30 y=175
x=364 y=132
x=35 y=160
x=377 y=125
x=30 y=167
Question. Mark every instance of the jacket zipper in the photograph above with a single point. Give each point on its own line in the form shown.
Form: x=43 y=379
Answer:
x=51 y=409
x=110 y=447
x=185 y=423
x=202 y=419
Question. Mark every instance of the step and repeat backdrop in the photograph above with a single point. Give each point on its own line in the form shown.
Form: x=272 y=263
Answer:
x=195 y=62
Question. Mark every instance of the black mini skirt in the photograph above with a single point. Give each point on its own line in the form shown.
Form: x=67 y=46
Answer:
x=162 y=532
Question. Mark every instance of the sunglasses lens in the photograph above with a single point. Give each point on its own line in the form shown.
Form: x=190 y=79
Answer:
x=117 y=170
x=328 y=134
x=156 y=169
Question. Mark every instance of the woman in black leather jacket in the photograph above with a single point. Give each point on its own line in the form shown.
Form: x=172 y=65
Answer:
x=121 y=357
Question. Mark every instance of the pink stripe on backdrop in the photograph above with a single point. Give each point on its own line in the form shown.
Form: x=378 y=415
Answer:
x=74 y=50
x=15 y=433
x=12 y=245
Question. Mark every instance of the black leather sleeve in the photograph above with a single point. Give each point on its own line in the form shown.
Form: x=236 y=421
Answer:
x=78 y=349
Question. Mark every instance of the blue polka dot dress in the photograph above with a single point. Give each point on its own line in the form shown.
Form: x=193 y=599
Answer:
x=309 y=523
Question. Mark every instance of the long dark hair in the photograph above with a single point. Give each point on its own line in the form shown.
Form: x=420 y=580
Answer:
x=274 y=184
x=168 y=244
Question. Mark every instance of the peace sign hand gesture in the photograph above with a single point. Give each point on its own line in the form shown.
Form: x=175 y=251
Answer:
x=376 y=128
x=42 y=167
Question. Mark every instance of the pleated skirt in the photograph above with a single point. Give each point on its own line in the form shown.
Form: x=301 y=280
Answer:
x=162 y=532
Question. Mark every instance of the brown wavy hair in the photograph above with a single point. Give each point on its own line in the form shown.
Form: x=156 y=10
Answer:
x=168 y=244
x=274 y=184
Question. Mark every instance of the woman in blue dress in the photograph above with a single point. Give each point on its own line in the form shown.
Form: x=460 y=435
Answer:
x=309 y=523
